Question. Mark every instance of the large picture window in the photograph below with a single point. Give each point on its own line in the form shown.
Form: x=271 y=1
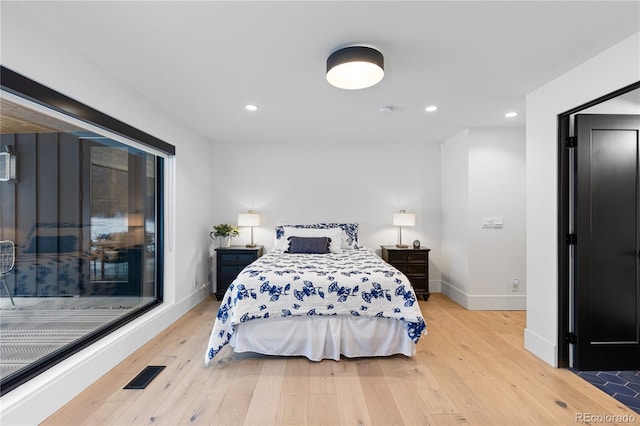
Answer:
x=80 y=227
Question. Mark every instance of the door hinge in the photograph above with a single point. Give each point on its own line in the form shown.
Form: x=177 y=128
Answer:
x=571 y=142
x=571 y=338
x=572 y=239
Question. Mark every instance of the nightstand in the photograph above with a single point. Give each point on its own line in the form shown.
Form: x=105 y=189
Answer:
x=414 y=263
x=229 y=262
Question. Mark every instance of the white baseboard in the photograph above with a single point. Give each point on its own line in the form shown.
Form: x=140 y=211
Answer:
x=40 y=397
x=485 y=302
x=454 y=294
x=542 y=348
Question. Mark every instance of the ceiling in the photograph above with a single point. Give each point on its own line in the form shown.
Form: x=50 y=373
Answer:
x=16 y=118
x=202 y=62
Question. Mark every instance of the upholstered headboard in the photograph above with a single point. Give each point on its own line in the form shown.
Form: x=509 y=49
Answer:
x=349 y=234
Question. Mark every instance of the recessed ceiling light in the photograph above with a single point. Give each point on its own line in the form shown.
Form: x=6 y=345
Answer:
x=431 y=108
x=251 y=107
x=511 y=114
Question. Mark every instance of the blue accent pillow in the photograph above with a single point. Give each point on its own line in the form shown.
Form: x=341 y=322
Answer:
x=315 y=245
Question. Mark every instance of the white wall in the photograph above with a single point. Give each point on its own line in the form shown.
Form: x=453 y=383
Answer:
x=348 y=182
x=613 y=69
x=455 y=214
x=483 y=176
x=497 y=189
x=45 y=61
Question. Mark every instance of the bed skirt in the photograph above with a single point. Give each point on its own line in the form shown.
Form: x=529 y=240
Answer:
x=318 y=337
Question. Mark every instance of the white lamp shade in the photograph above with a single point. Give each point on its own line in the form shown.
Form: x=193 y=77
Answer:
x=248 y=219
x=355 y=75
x=404 y=219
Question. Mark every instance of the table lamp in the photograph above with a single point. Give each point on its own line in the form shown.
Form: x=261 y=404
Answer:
x=249 y=219
x=403 y=219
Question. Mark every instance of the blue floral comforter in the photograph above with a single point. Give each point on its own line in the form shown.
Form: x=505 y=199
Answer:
x=353 y=282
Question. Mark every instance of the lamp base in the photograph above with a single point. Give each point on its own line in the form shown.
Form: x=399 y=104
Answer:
x=250 y=245
x=402 y=246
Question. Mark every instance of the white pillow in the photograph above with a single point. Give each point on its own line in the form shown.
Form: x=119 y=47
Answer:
x=289 y=231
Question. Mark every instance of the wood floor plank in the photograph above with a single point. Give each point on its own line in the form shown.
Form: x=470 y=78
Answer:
x=408 y=393
x=427 y=386
x=352 y=408
x=235 y=404
x=323 y=398
x=322 y=409
x=263 y=408
x=106 y=413
x=292 y=405
x=202 y=409
x=379 y=399
x=227 y=378
x=193 y=376
x=471 y=368
x=321 y=378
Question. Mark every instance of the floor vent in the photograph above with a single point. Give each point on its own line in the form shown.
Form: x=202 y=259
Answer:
x=145 y=377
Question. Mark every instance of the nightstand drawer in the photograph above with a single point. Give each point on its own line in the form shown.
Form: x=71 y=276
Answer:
x=411 y=268
x=224 y=281
x=419 y=284
x=230 y=269
x=407 y=257
x=244 y=258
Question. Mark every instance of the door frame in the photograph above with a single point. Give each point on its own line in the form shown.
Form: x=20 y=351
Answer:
x=564 y=203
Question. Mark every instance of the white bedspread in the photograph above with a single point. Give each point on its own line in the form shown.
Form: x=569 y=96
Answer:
x=353 y=283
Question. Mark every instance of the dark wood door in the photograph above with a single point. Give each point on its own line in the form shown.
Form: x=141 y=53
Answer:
x=607 y=271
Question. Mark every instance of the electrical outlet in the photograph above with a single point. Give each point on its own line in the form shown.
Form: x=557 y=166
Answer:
x=515 y=284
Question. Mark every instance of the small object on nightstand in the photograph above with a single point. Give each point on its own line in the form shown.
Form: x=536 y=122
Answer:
x=414 y=263
x=416 y=244
x=230 y=261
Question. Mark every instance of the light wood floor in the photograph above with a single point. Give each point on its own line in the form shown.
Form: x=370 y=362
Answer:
x=470 y=369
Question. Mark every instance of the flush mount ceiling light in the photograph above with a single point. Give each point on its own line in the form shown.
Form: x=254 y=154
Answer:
x=355 y=67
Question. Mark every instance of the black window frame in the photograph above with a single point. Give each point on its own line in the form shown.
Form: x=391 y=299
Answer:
x=23 y=87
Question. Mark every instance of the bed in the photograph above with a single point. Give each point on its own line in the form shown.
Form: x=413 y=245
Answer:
x=318 y=294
